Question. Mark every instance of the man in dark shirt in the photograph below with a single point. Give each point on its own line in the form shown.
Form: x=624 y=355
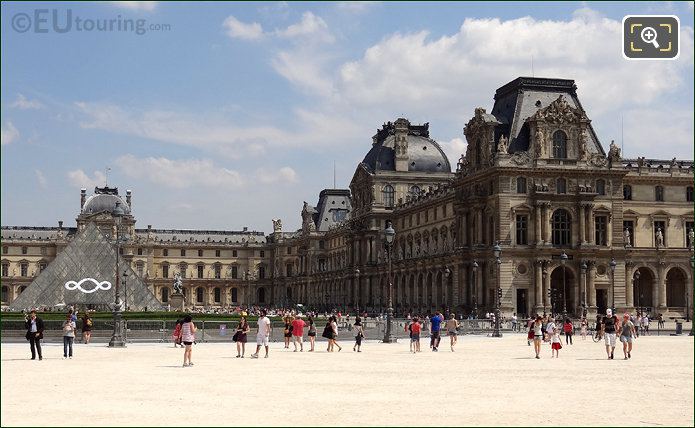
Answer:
x=34 y=326
x=609 y=325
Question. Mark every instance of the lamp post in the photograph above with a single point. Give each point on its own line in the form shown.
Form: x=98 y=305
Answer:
x=357 y=291
x=584 y=267
x=563 y=261
x=545 y=275
x=636 y=288
x=389 y=234
x=445 y=307
x=497 y=251
x=613 y=264
x=692 y=269
x=475 y=288
x=117 y=340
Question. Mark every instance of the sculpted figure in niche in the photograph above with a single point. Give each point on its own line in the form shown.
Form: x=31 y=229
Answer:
x=659 y=238
x=626 y=237
x=540 y=142
x=503 y=144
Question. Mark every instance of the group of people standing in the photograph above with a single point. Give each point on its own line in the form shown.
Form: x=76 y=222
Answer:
x=35 y=328
x=414 y=328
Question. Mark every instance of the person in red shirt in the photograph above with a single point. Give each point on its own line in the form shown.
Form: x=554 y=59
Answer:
x=568 y=327
x=415 y=329
x=298 y=333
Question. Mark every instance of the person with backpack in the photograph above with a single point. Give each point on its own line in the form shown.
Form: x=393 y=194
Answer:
x=359 y=335
x=87 y=324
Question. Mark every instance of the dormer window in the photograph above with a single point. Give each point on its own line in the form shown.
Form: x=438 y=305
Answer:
x=559 y=145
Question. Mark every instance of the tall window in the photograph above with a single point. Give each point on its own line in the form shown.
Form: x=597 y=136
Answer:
x=601 y=228
x=389 y=195
x=689 y=225
x=199 y=295
x=689 y=194
x=24 y=250
x=627 y=192
x=521 y=185
x=561 y=186
x=139 y=251
x=24 y=269
x=288 y=270
x=5 y=270
x=235 y=272
x=659 y=194
x=182 y=270
x=560 y=145
x=165 y=271
x=262 y=253
x=521 y=230
x=201 y=268
x=218 y=271
x=261 y=272
x=660 y=225
x=217 y=253
x=414 y=191
x=5 y=293
x=630 y=226
x=561 y=228
x=218 y=295
x=601 y=187
x=140 y=268
x=165 y=252
x=200 y=253
x=234 y=253
x=165 y=295
x=235 y=295
x=183 y=252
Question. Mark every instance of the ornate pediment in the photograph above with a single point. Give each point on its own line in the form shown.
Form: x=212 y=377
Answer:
x=559 y=111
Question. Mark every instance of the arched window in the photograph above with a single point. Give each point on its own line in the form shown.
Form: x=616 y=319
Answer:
x=218 y=295
x=601 y=187
x=261 y=295
x=521 y=185
x=561 y=186
x=5 y=291
x=165 y=295
x=388 y=196
x=627 y=192
x=235 y=295
x=659 y=194
x=560 y=145
x=689 y=194
x=414 y=191
x=199 y=295
x=561 y=228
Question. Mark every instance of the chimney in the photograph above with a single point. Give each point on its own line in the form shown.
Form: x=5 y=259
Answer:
x=60 y=224
x=246 y=229
x=401 y=127
x=149 y=227
x=128 y=194
x=83 y=197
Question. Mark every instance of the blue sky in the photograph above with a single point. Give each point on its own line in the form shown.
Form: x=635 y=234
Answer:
x=235 y=114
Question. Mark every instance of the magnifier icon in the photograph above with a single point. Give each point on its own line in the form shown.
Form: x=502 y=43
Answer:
x=648 y=36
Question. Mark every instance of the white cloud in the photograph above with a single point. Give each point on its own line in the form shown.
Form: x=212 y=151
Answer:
x=284 y=175
x=241 y=30
x=179 y=174
x=310 y=25
x=79 y=178
x=43 y=183
x=453 y=150
x=23 y=103
x=147 y=6
x=8 y=133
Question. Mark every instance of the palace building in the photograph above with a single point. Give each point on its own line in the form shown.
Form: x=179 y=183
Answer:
x=579 y=228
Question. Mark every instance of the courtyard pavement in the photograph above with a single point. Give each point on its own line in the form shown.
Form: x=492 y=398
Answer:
x=486 y=381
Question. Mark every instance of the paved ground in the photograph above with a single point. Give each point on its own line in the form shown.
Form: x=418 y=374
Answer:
x=485 y=382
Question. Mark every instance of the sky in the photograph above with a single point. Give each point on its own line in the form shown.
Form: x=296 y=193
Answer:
x=227 y=115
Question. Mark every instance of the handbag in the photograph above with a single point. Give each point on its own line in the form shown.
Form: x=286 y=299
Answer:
x=328 y=332
x=235 y=338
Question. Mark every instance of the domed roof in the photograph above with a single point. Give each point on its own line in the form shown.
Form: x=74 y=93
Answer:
x=104 y=199
x=424 y=154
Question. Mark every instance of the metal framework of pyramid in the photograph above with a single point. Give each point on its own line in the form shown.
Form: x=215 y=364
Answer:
x=89 y=255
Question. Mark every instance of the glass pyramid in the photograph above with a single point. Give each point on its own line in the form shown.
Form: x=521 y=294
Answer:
x=89 y=255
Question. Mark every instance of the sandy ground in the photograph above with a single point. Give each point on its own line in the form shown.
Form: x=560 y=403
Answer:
x=485 y=382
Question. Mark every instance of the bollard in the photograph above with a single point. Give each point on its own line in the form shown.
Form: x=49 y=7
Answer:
x=679 y=327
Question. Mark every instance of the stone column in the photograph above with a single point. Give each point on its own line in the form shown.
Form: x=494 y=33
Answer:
x=546 y=223
x=464 y=228
x=538 y=286
x=591 y=288
x=582 y=225
x=582 y=288
x=537 y=229
x=456 y=298
x=662 y=285
x=479 y=227
x=546 y=287
x=480 y=298
x=609 y=231
x=592 y=225
x=575 y=285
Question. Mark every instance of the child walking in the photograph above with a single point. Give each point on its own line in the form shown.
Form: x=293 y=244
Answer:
x=556 y=343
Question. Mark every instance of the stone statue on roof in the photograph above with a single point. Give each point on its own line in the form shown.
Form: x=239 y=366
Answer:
x=503 y=144
x=277 y=225
x=613 y=152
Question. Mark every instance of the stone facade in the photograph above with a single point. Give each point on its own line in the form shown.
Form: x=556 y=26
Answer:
x=535 y=179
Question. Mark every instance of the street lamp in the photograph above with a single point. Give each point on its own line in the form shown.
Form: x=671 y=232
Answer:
x=356 y=291
x=563 y=261
x=497 y=251
x=544 y=271
x=692 y=267
x=584 y=267
x=475 y=288
x=117 y=340
x=613 y=264
x=445 y=306
x=389 y=235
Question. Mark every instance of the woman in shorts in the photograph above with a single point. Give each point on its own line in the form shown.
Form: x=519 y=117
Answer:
x=334 y=334
x=311 y=333
x=452 y=330
x=359 y=334
x=87 y=324
x=241 y=336
x=538 y=336
x=626 y=335
x=288 y=331
x=415 y=329
x=188 y=330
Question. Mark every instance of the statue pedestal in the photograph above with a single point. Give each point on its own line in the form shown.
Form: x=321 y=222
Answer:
x=177 y=302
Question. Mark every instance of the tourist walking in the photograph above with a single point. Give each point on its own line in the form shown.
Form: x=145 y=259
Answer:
x=69 y=328
x=661 y=324
x=608 y=326
x=333 y=341
x=626 y=335
x=530 y=333
x=311 y=333
x=288 y=331
x=568 y=328
x=537 y=335
x=555 y=343
x=645 y=324
x=34 y=326
x=240 y=337
x=583 y=328
x=176 y=336
x=435 y=327
x=514 y=322
x=263 y=335
x=415 y=328
x=87 y=324
x=452 y=330
x=298 y=333
x=359 y=334
x=188 y=330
